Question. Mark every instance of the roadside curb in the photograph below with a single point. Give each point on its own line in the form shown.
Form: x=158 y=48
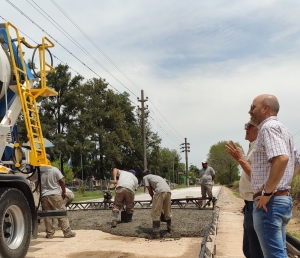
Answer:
x=208 y=247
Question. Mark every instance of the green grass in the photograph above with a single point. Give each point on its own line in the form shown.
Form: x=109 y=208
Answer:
x=293 y=234
x=295 y=190
x=87 y=195
x=234 y=187
x=236 y=194
x=181 y=186
x=96 y=194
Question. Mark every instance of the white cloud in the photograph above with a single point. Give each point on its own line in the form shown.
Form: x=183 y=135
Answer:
x=201 y=63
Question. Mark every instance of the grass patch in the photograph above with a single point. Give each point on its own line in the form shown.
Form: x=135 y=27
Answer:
x=295 y=190
x=293 y=235
x=235 y=189
x=96 y=194
x=179 y=186
x=236 y=194
x=87 y=195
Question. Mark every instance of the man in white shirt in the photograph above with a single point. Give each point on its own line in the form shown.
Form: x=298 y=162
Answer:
x=160 y=193
x=251 y=245
x=207 y=175
x=126 y=185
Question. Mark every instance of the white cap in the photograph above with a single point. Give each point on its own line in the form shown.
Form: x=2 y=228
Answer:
x=204 y=161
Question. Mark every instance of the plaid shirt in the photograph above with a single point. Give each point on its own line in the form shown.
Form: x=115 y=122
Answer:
x=273 y=140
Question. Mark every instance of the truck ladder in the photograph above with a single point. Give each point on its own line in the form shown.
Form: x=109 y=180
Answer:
x=37 y=154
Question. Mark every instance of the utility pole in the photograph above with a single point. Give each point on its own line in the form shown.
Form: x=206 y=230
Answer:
x=186 y=149
x=143 y=115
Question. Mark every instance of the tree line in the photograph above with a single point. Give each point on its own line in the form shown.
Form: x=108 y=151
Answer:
x=99 y=129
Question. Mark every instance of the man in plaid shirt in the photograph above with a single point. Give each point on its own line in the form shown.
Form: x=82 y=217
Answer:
x=275 y=161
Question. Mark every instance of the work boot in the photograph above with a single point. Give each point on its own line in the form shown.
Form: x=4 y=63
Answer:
x=169 y=225
x=70 y=234
x=156 y=231
x=114 y=218
x=129 y=217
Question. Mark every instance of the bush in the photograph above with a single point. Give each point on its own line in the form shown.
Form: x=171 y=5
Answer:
x=235 y=185
x=295 y=190
x=81 y=188
x=68 y=173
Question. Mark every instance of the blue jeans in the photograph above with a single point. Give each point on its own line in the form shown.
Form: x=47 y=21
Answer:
x=251 y=246
x=270 y=226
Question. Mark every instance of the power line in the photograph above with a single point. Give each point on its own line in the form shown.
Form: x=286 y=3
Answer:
x=296 y=134
x=94 y=44
x=54 y=39
x=176 y=137
x=97 y=47
x=65 y=33
x=164 y=132
x=79 y=59
x=84 y=77
x=165 y=129
x=166 y=120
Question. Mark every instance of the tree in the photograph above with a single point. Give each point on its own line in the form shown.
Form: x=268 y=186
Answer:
x=167 y=165
x=59 y=113
x=193 y=173
x=181 y=170
x=106 y=120
x=92 y=123
x=153 y=150
x=226 y=167
x=68 y=173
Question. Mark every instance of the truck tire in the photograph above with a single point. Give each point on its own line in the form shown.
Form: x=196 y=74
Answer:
x=15 y=223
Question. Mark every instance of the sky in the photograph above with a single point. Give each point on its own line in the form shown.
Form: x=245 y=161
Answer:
x=200 y=63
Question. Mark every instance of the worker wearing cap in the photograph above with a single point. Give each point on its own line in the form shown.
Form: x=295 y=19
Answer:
x=207 y=176
x=126 y=185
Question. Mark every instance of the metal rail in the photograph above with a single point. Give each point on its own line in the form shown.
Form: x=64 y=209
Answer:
x=208 y=248
x=182 y=203
x=292 y=246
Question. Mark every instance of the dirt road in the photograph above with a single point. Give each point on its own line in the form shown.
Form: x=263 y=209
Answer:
x=93 y=240
x=96 y=244
x=230 y=226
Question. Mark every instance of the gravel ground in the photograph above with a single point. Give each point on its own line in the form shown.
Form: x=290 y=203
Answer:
x=185 y=223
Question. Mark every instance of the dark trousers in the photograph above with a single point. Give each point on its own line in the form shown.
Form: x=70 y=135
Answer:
x=251 y=246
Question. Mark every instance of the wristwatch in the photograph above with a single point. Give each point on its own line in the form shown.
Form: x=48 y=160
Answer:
x=263 y=192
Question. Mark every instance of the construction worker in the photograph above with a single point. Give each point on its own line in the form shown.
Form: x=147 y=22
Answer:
x=53 y=194
x=160 y=192
x=126 y=185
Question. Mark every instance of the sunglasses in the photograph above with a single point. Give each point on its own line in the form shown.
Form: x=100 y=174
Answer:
x=252 y=107
x=248 y=126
